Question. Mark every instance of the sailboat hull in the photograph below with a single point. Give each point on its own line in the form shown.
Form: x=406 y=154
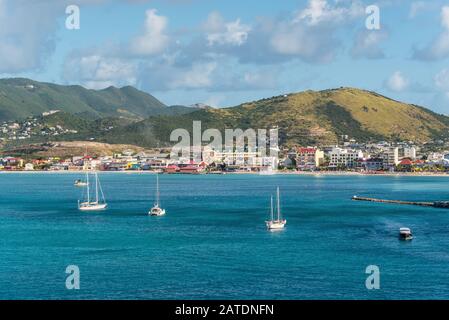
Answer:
x=80 y=184
x=92 y=206
x=157 y=212
x=276 y=225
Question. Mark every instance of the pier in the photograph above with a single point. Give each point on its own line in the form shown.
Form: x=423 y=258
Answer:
x=437 y=204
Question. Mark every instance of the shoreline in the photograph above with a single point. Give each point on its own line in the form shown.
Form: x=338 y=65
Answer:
x=280 y=173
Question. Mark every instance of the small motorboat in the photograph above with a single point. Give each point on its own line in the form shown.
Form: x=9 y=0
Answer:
x=405 y=234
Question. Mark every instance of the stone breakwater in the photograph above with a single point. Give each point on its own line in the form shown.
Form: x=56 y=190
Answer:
x=437 y=204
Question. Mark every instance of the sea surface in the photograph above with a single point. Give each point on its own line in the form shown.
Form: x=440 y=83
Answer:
x=213 y=244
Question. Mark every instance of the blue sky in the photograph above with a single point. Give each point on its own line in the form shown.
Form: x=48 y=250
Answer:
x=227 y=52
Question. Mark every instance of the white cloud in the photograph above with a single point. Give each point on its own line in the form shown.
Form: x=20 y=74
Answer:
x=441 y=96
x=28 y=32
x=305 y=43
x=98 y=72
x=199 y=76
x=319 y=11
x=221 y=55
x=439 y=48
x=397 y=82
x=154 y=38
x=416 y=7
x=312 y=33
x=442 y=80
x=220 y=32
x=367 y=44
x=27 y=39
x=445 y=17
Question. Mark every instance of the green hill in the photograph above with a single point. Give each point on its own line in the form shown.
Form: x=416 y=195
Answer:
x=21 y=98
x=304 y=118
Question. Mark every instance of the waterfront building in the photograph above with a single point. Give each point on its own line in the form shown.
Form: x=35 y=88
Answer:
x=239 y=159
x=370 y=164
x=405 y=165
x=344 y=158
x=309 y=158
x=390 y=156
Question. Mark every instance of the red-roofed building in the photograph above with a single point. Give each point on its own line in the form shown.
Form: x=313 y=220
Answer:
x=405 y=165
x=309 y=158
x=406 y=162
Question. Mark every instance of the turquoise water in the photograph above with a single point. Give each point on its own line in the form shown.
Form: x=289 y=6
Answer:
x=213 y=243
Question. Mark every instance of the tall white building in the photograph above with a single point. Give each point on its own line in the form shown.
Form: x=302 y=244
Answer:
x=390 y=156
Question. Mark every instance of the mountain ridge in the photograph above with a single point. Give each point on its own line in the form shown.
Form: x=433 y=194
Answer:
x=21 y=98
x=303 y=118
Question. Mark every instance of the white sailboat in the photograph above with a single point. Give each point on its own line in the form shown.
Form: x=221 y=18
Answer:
x=96 y=204
x=80 y=183
x=157 y=210
x=278 y=223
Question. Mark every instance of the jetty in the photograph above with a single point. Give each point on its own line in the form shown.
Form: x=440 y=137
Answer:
x=436 y=204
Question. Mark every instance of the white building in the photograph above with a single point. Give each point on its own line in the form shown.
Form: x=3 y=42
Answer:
x=435 y=157
x=407 y=152
x=339 y=157
x=390 y=156
x=239 y=158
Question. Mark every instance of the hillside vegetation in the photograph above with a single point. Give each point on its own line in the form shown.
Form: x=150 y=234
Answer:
x=308 y=117
x=21 y=98
x=305 y=118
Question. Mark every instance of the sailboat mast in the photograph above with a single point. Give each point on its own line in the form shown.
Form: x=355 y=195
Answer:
x=96 y=187
x=278 y=205
x=157 y=189
x=271 y=211
x=88 y=186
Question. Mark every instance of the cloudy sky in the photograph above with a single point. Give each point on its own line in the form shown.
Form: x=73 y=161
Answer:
x=226 y=52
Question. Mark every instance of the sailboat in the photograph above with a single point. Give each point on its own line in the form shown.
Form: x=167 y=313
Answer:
x=80 y=183
x=93 y=204
x=278 y=223
x=157 y=210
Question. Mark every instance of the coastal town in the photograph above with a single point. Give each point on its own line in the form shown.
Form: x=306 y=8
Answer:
x=350 y=156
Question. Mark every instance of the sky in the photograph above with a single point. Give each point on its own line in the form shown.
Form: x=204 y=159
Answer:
x=226 y=52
